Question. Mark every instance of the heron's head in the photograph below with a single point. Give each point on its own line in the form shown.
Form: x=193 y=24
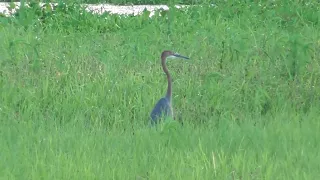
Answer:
x=170 y=54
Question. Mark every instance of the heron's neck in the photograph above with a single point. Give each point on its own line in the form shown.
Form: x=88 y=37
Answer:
x=165 y=69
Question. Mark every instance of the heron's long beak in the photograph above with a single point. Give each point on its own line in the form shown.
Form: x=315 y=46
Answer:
x=180 y=56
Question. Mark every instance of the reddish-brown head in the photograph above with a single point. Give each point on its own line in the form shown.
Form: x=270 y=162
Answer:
x=170 y=54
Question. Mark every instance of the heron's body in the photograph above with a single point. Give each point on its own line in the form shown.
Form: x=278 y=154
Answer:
x=163 y=108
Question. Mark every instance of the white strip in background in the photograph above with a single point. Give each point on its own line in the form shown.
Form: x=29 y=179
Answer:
x=101 y=8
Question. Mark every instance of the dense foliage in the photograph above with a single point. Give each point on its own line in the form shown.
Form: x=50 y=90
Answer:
x=119 y=2
x=77 y=89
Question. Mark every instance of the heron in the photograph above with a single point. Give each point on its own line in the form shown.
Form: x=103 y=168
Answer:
x=163 y=108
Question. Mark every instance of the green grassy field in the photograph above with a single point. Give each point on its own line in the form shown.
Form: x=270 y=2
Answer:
x=77 y=90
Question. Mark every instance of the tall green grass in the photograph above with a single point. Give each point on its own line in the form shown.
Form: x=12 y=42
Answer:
x=77 y=90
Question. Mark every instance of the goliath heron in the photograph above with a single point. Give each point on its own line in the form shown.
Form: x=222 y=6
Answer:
x=163 y=108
